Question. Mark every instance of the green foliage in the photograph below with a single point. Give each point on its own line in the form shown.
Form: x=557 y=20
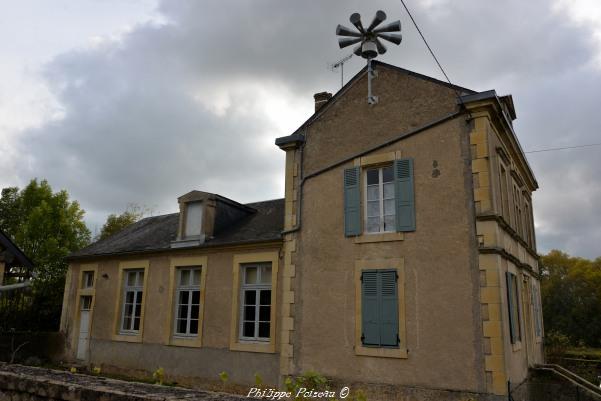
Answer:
x=258 y=380
x=47 y=226
x=224 y=377
x=115 y=223
x=159 y=376
x=556 y=343
x=571 y=297
x=309 y=380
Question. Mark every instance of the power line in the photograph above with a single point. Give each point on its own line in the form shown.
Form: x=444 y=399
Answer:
x=432 y=53
x=563 y=148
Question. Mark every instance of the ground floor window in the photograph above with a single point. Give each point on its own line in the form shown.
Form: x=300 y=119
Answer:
x=255 y=302
x=379 y=308
x=133 y=289
x=187 y=305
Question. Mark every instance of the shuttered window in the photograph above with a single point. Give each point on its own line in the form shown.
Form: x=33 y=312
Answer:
x=514 y=308
x=537 y=313
x=389 y=203
x=379 y=308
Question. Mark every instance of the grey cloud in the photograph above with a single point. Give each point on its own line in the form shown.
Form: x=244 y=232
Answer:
x=133 y=131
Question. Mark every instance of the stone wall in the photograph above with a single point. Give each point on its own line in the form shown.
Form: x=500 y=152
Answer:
x=23 y=383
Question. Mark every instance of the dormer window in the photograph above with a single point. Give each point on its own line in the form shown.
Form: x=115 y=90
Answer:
x=193 y=220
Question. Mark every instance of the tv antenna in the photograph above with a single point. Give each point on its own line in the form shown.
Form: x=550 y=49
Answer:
x=369 y=41
x=340 y=64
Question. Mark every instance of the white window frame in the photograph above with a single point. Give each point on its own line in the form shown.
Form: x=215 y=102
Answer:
x=258 y=287
x=87 y=279
x=138 y=291
x=190 y=288
x=380 y=198
x=193 y=224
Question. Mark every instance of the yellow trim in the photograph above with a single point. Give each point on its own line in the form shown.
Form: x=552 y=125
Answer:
x=379 y=237
x=129 y=265
x=80 y=293
x=176 y=262
x=377 y=158
x=399 y=265
x=235 y=343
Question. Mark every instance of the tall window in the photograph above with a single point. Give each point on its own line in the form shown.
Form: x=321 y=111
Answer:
x=187 y=301
x=514 y=308
x=504 y=193
x=255 y=321
x=380 y=207
x=379 y=308
x=133 y=288
x=87 y=279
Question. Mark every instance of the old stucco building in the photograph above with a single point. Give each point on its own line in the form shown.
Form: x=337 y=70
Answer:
x=403 y=254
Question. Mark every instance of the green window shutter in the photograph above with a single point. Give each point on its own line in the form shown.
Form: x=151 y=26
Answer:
x=404 y=195
x=370 y=325
x=389 y=312
x=510 y=303
x=352 y=202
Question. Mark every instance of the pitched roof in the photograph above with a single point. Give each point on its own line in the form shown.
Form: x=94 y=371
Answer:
x=20 y=259
x=375 y=63
x=155 y=234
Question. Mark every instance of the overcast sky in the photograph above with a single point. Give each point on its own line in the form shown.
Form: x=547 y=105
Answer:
x=121 y=101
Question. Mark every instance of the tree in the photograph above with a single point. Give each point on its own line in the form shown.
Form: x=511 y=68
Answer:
x=571 y=296
x=115 y=223
x=47 y=226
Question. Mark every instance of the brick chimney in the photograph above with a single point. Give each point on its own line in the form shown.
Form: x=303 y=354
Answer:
x=321 y=98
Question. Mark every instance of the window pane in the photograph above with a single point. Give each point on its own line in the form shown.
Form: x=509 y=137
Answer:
x=373 y=209
x=129 y=297
x=139 y=297
x=183 y=297
x=195 y=297
x=265 y=297
x=373 y=224
x=126 y=323
x=250 y=275
x=196 y=277
x=264 y=329
x=131 y=279
x=182 y=312
x=129 y=309
x=265 y=313
x=266 y=275
x=389 y=191
x=137 y=323
x=249 y=313
x=193 y=326
x=248 y=329
x=138 y=310
x=250 y=297
x=389 y=207
x=184 y=277
x=193 y=218
x=387 y=174
x=194 y=311
x=181 y=326
x=373 y=192
x=140 y=279
x=389 y=223
x=373 y=177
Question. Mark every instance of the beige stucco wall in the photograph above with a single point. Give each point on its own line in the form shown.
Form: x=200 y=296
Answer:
x=206 y=361
x=441 y=278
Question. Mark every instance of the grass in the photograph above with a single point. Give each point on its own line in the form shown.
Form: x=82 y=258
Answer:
x=583 y=353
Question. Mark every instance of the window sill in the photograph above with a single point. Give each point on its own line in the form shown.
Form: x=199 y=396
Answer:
x=267 y=347
x=381 y=352
x=381 y=237
x=129 y=338
x=192 y=341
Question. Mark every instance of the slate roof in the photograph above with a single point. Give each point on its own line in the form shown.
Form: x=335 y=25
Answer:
x=156 y=233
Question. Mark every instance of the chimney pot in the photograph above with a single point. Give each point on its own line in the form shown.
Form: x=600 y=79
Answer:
x=321 y=98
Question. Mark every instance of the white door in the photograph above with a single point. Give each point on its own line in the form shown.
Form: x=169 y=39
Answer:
x=84 y=327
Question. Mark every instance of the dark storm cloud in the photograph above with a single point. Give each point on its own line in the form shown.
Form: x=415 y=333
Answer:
x=140 y=122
